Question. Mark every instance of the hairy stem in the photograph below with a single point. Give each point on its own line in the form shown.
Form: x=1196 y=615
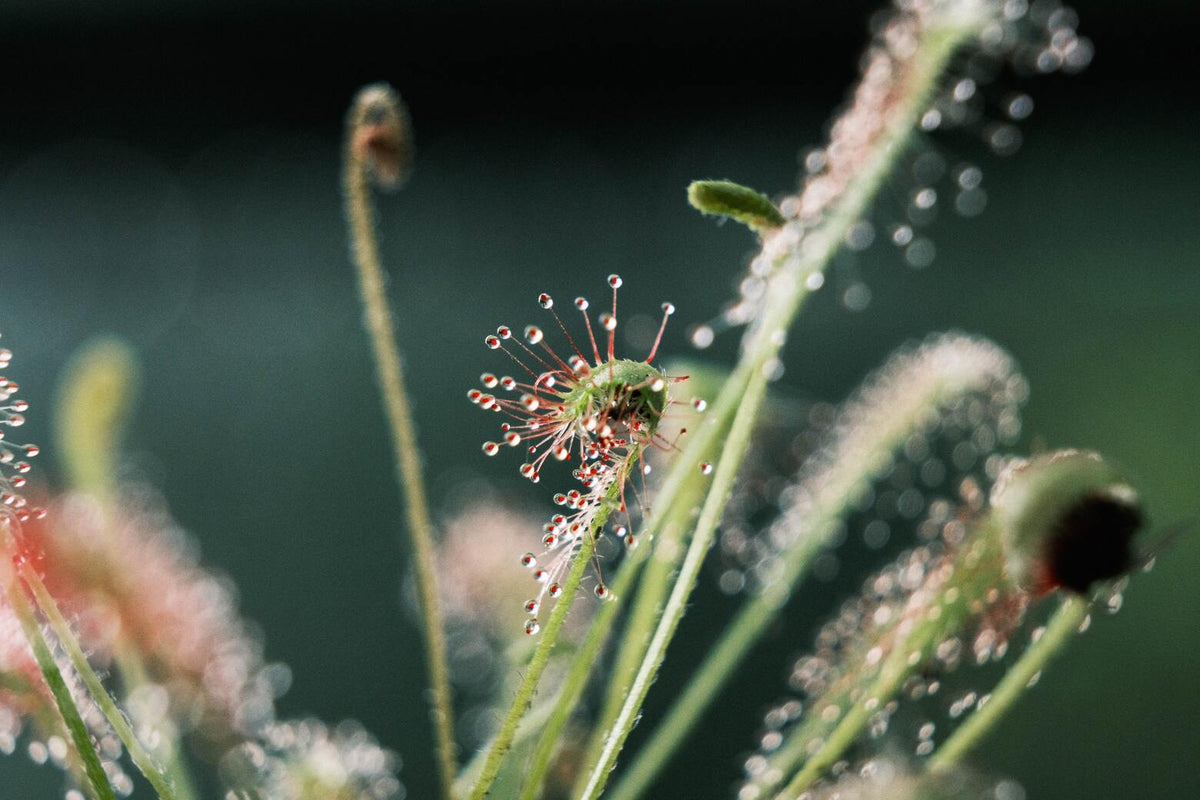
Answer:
x=804 y=252
x=1058 y=632
x=885 y=412
x=734 y=448
x=377 y=315
x=578 y=672
x=142 y=759
x=133 y=675
x=541 y=656
x=93 y=768
x=647 y=607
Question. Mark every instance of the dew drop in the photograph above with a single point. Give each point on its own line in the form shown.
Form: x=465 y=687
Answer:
x=699 y=404
x=971 y=202
x=925 y=198
x=860 y=235
x=1019 y=106
x=706 y=468
x=920 y=253
x=702 y=336
x=532 y=626
x=38 y=753
x=529 y=560
x=857 y=297
x=545 y=300
x=964 y=90
x=1004 y=139
x=615 y=281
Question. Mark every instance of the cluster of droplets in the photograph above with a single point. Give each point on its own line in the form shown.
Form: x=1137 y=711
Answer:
x=943 y=409
x=1029 y=39
x=27 y=706
x=181 y=617
x=306 y=760
x=14 y=465
x=935 y=607
x=1036 y=39
x=23 y=692
x=587 y=407
x=893 y=779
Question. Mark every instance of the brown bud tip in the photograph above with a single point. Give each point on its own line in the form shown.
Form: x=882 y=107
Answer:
x=381 y=134
x=1068 y=521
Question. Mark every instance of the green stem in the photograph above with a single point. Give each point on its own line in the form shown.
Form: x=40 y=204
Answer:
x=887 y=411
x=142 y=759
x=1062 y=627
x=583 y=662
x=786 y=293
x=727 y=468
x=378 y=319
x=100 y=788
x=541 y=656
x=133 y=675
x=647 y=607
x=580 y=669
x=850 y=726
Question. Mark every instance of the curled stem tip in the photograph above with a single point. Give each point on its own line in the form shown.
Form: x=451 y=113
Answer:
x=379 y=135
x=378 y=145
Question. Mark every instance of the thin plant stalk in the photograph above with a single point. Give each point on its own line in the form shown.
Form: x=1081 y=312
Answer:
x=133 y=675
x=584 y=661
x=735 y=446
x=1064 y=624
x=788 y=288
x=644 y=612
x=381 y=328
x=945 y=371
x=142 y=759
x=97 y=779
x=523 y=698
x=573 y=685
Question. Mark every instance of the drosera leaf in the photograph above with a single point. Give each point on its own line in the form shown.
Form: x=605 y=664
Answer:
x=728 y=199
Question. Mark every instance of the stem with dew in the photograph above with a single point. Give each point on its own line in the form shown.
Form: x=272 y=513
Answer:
x=583 y=662
x=726 y=470
x=142 y=759
x=378 y=319
x=951 y=368
x=1065 y=623
x=805 y=254
x=93 y=768
x=523 y=699
x=133 y=675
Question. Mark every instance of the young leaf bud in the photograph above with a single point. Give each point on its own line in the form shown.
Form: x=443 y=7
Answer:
x=1068 y=520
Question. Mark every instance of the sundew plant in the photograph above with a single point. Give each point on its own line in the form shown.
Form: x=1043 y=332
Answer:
x=683 y=491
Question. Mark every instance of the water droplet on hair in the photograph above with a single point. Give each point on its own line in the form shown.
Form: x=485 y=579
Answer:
x=857 y=297
x=920 y=253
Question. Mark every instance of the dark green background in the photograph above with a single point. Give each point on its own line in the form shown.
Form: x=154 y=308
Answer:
x=170 y=174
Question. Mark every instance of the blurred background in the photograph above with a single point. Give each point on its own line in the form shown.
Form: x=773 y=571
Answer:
x=169 y=173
